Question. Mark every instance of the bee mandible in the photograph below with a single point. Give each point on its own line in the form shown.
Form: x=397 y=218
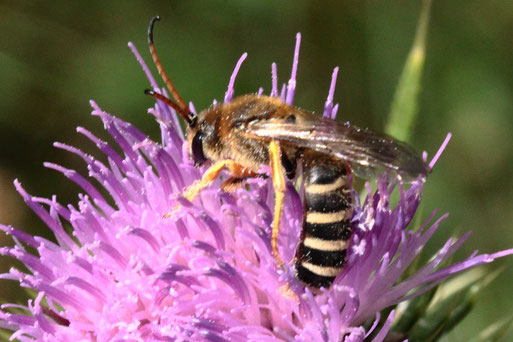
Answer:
x=255 y=130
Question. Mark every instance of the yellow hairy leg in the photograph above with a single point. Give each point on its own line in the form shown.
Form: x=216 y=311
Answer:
x=208 y=177
x=279 y=186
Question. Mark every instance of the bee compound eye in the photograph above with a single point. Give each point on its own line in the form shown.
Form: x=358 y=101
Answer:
x=197 y=149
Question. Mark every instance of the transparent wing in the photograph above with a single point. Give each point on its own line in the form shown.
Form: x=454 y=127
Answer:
x=368 y=153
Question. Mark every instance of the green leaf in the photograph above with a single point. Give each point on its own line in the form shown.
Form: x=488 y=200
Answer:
x=495 y=332
x=451 y=303
x=405 y=103
x=409 y=312
x=5 y=335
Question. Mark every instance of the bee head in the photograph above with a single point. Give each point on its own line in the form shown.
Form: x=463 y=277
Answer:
x=199 y=138
x=196 y=153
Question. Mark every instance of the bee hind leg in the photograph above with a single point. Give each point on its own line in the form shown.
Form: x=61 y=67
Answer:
x=279 y=186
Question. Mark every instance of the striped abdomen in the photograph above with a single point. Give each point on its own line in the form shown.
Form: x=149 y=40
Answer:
x=321 y=252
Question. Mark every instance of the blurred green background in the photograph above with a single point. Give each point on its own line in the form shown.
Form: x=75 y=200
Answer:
x=56 y=55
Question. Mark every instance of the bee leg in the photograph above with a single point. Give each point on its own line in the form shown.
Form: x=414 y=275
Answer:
x=232 y=184
x=208 y=177
x=279 y=186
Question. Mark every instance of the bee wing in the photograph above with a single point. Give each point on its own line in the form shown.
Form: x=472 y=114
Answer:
x=368 y=153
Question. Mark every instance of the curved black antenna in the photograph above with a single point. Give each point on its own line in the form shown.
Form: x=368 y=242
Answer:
x=188 y=116
x=181 y=107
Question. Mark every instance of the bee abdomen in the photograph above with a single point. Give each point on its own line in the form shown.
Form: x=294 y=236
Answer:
x=321 y=252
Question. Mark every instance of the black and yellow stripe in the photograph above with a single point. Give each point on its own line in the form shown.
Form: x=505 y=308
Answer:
x=321 y=252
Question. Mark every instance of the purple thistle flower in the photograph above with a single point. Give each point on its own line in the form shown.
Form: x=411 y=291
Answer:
x=127 y=274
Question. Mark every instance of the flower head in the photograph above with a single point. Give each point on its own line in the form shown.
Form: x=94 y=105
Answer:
x=126 y=272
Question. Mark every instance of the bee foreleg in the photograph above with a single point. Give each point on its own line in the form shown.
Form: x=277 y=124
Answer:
x=233 y=183
x=208 y=177
x=279 y=186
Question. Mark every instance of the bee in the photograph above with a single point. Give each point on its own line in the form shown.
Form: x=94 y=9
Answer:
x=255 y=130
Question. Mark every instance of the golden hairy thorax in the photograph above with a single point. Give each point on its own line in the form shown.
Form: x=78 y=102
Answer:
x=229 y=139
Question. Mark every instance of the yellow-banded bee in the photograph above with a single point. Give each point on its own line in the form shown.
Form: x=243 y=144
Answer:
x=255 y=130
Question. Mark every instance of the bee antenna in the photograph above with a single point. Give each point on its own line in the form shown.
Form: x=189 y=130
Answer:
x=187 y=116
x=181 y=107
